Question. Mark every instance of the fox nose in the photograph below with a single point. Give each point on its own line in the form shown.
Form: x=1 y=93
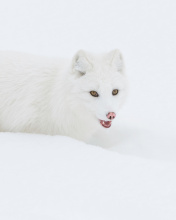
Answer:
x=111 y=115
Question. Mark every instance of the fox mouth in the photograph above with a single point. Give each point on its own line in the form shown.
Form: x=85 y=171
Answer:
x=105 y=124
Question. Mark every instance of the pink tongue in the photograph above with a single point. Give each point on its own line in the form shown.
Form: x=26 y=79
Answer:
x=107 y=122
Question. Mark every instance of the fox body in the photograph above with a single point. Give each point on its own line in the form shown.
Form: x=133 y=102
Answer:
x=57 y=96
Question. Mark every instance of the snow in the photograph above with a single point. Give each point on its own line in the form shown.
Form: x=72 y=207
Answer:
x=45 y=177
x=127 y=172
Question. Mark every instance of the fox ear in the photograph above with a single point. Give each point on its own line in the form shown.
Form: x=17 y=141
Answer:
x=116 y=60
x=80 y=63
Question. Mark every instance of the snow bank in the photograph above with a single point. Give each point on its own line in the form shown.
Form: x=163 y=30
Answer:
x=49 y=178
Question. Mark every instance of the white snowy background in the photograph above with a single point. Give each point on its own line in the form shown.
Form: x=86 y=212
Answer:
x=126 y=173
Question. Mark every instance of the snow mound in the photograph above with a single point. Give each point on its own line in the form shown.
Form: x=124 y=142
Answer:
x=49 y=178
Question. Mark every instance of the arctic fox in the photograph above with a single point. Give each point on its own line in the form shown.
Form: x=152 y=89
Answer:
x=60 y=97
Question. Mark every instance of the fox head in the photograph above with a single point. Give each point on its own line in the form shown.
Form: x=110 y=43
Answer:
x=100 y=85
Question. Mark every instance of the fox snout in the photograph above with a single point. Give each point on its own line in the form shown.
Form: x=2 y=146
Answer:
x=111 y=115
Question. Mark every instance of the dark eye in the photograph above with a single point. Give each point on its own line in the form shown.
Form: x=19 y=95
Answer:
x=94 y=93
x=115 y=92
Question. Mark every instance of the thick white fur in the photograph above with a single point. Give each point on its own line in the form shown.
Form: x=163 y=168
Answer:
x=52 y=96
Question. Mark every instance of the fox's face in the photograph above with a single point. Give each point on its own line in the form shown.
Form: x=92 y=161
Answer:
x=100 y=85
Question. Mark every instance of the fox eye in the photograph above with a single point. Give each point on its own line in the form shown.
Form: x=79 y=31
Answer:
x=94 y=93
x=115 y=92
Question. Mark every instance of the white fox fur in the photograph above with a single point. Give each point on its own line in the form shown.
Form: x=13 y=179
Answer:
x=52 y=96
